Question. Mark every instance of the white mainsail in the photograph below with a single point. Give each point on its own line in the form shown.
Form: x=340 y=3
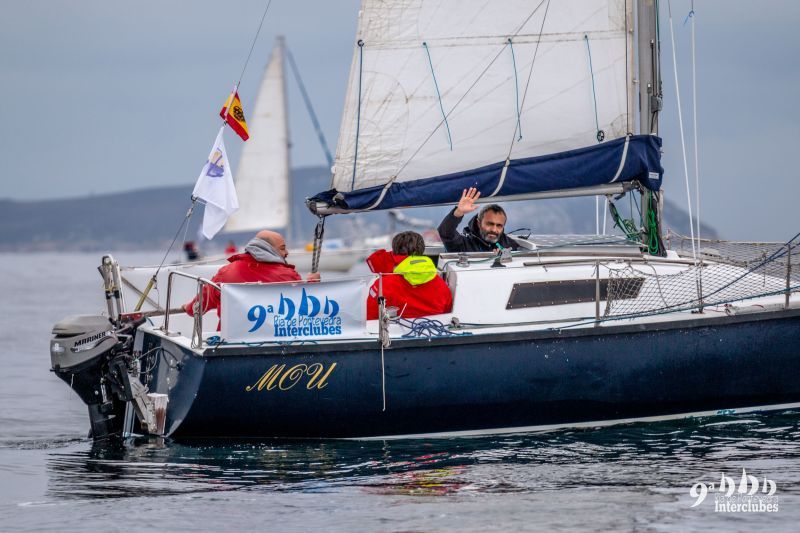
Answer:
x=401 y=135
x=262 y=180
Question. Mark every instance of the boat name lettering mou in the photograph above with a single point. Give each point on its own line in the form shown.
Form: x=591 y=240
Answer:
x=285 y=378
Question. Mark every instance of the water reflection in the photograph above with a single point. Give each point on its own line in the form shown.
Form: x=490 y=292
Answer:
x=620 y=456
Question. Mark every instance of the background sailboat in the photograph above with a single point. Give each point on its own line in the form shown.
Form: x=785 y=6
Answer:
x=263 y=178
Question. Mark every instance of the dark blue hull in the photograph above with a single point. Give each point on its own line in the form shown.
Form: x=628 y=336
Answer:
x=476 y=383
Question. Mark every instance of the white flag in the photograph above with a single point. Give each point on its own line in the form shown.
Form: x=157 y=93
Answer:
x=215 y=187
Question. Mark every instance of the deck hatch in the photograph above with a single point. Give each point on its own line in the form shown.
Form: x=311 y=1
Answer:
x=571 y=291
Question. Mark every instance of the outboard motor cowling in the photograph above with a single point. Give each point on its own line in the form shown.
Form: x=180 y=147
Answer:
x=95 y=358
x=79 y=339
x=80 y=354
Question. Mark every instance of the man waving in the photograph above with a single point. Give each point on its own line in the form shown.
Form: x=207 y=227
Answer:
x=483 y=233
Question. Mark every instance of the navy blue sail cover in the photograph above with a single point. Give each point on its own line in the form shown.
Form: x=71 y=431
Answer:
x=583 y=167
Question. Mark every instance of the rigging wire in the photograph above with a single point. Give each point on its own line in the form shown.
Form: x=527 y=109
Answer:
x=358 y=111
x=696 y=154
x=439 y=95
x=516 y=86
x=683 y=148
x=628 y=80
x=533 y=63
x=154 y=278
x=694 y=121
x=680 y=123
x=310 y=108
x=252 y=46
x=469 y=89
x=600 y=135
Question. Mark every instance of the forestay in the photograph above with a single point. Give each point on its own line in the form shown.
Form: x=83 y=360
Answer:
x=262 y=180
x=527 y=89
x=283 y=312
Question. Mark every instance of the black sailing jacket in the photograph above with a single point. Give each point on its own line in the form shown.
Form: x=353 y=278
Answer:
x=470 y=240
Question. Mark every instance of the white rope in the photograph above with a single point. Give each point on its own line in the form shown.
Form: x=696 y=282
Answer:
x=383 y=378
x=696 y=155
x=502 y=178
x=694 y=111
x=680 y=124
x=622 y=159
x=597 y=215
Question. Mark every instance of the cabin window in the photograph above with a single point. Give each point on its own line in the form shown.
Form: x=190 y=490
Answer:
x=571 y=291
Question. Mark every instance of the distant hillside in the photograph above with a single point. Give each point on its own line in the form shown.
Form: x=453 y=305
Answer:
x=149 y=218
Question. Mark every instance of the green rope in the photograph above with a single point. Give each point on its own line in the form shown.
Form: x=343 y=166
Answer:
x=651 y=227
x=626 y=225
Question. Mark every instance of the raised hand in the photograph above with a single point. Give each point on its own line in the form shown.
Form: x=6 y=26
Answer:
x=467 y=202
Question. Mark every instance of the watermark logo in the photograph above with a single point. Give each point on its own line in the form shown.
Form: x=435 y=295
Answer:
x=751 y=495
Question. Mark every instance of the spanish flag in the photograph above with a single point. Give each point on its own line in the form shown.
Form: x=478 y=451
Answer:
x=233 y=114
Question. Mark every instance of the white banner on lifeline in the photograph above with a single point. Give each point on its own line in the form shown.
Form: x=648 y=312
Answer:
x=255 y=312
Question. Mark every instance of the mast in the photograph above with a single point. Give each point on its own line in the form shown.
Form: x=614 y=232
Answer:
x=649 y=66
x=650 y=93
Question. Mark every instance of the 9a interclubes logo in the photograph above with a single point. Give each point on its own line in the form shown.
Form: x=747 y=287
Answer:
x=752 y=495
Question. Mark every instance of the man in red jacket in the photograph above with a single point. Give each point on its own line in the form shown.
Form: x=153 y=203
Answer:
x=410 y=280
x=263 y=260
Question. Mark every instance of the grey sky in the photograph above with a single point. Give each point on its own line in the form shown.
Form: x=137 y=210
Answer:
x=100 y=95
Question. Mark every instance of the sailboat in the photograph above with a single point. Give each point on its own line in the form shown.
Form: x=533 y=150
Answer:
x=523 y=101
x=263 y=178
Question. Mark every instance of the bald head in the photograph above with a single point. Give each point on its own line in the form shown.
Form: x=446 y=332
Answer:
x=275 y=239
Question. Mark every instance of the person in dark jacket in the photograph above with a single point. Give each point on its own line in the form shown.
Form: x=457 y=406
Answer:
x=484 y=232
x=410 y=282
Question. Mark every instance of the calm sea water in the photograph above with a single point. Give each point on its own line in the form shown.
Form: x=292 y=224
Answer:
x=633 y=477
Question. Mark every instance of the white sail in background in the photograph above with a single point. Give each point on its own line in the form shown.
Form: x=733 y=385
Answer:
x=401 y=133
x=262 y=180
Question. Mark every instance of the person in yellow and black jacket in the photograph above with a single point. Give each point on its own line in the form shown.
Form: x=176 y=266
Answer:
x=410 y=282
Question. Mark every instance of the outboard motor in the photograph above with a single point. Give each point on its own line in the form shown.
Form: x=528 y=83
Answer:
x=95 y=356
x=84 y=351
x=97 y=360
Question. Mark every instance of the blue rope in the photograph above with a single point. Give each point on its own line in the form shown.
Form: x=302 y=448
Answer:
x=435 y=84
x=427 y=327
x=600 y=134
x=358 y=117
x=516 y=86
x=216 y=341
